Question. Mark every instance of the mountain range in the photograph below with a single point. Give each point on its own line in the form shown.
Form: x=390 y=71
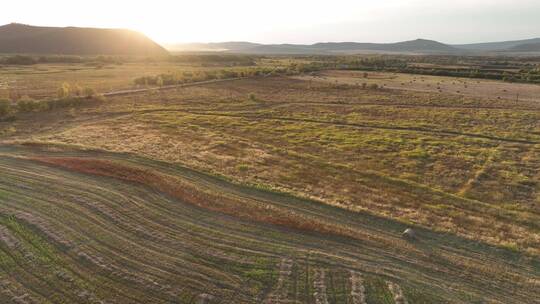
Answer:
x=422 y=46
x=27 y=39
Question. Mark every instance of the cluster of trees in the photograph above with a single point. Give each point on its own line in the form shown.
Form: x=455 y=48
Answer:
x=215 y=59
x=185 y=77
x=9 y=109
x=454 y=66
x=68 y=96
x=66 y=90
x=195 y=76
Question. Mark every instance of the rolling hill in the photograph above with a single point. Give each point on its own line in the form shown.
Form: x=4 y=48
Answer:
x=413 y=46
x=418 y=46
x=497 y=46
x=27 y=39
x=527 y=47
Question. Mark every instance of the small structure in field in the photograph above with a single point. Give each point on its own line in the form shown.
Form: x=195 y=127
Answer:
x=409 y=234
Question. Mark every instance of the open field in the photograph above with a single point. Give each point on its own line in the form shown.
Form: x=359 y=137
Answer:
x=43 y=80
x=479 y=88
x=71 y=235
x=165 y=196
x=40 y=81
x=431 y=160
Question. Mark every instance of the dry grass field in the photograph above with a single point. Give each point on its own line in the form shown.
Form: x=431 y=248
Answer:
x=269 y=188
x=40 y=81
x=479 y=88
x=43 y=80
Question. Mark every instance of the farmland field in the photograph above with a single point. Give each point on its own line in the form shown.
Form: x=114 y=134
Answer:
x=479 y=88
x=278 y=189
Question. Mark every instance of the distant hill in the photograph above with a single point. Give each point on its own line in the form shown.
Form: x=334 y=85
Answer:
x=418 y=46
x=27 y=39
x=497 y=46
x=526 y=47
x=413 y=46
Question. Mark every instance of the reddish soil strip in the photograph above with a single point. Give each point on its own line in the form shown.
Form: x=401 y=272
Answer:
x=189 y=193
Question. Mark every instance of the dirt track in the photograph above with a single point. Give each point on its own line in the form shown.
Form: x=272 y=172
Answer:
x=167 y=87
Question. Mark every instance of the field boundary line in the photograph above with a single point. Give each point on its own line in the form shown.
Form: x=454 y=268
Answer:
x=168 y=87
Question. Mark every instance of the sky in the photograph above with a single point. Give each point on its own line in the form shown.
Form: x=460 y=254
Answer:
x=291 y=21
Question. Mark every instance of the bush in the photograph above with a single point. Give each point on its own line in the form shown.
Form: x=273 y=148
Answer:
x=26 y=104
x=14 y=95
x=19 y=60
x=77 y=90
x=159 y=81
x=88 y=92
x=64 y=90
x=60 y=103
x=5 y=107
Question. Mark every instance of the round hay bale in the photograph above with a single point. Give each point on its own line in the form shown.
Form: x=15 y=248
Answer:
x=409 y=233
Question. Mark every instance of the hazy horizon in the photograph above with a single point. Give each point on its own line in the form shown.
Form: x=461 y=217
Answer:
x=303 y=22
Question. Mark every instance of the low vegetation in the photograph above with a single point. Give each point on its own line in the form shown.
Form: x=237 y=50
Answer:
x=195 y=76
x=94 y=245
x=511 y=70
x=292 y=180
x=67 y=98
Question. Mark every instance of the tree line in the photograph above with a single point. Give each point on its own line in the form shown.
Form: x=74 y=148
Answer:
x=67 y=96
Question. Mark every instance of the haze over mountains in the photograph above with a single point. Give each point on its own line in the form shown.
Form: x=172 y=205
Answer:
x=414 y=46
x=27 y=39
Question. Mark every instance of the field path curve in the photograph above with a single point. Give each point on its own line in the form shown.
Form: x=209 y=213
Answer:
x=107 y=231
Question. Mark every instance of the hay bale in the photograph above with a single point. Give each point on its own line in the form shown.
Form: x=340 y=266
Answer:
x=409 y=233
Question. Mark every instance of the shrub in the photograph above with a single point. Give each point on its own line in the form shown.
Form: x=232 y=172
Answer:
x=19 y=60
x=242 y=167
x=159 y=81
x=14 y=95
x=5 y=107
x=77 y=90
x=26 y=104
x=88 y=92
x=64 y=90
